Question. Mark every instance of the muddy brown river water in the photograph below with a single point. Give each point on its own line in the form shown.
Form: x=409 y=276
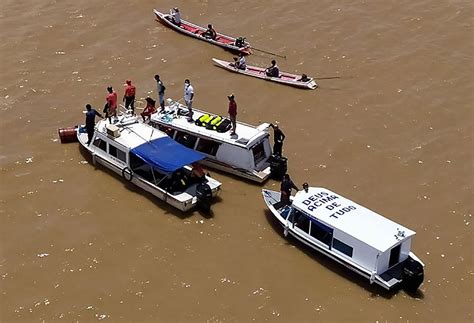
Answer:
x=393 y=131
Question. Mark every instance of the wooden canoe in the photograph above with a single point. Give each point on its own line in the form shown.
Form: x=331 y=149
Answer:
x=195 y=31
x=259 y=72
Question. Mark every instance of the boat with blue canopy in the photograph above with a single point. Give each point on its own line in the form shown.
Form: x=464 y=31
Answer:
x=150 y=159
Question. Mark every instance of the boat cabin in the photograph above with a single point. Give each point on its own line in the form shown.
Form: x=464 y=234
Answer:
x=150 y=159
x=354 y=235
x=248 y=154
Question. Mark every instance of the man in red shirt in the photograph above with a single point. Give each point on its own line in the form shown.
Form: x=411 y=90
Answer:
x=129 y=96
x=110 y=108
x=232 y=113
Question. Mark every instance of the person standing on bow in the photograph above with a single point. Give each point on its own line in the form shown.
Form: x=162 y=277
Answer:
x=129 y=96
x=90 y=121
x=110 y=108
x=285 y=189
x=232 y=113
x=188 y=98
x=160 y=88
x=278 y=138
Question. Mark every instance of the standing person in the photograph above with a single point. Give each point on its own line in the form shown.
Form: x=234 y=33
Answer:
x=188 y=98
x=278 y=137
x=175 y=16
x=273 y=70
x=160 y=88
x=285 y=188
x=129 y=96
x=232 y=113
x=90 y=122
x=110 y=108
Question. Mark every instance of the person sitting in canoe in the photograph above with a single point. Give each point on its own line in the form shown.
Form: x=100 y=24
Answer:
x=304 y=78
x=239 y=62
x=210 y=33
x=273 y=70
x=175 y=16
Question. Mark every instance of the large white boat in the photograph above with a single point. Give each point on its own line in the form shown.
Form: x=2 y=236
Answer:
x=151 y=160
x=248 y=154
x=354 y=236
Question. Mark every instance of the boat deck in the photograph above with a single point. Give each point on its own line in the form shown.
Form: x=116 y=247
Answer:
x=175 y=116
x=394 y=275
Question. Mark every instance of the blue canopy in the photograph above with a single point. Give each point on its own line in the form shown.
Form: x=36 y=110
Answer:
x=166 y=154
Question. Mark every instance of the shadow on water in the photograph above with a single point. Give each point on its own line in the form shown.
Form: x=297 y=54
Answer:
x=168 y=209
x=374 y=289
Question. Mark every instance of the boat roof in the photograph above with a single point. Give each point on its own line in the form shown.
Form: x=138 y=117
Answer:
x=132 y=132
x=151 y=145
x=247 y=135
x=351 y=218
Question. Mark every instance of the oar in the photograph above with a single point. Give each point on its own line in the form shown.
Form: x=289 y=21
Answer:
x=332 y=77
x=270 y=53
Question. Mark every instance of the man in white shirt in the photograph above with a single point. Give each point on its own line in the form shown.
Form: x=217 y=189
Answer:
x=188 y=98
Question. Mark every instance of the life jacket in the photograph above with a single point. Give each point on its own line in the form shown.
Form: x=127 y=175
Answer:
x=213 y=122
x=200 y=120
x=207 y=121
x=223 y=126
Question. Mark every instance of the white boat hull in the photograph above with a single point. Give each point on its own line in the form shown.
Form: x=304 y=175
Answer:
x=272 y=197
x=183 y=201
x=258 y=72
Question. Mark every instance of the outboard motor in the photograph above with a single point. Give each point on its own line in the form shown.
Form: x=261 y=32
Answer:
x=278 y=166
x=204 y=196
x=413 y=274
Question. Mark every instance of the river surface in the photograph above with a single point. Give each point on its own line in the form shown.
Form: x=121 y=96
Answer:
x=390 y=127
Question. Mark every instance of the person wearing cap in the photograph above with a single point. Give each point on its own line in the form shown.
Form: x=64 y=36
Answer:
x=232 y=113
x=160 y=87
x=129 y=96
x=278 y=137
x=175 y=16
x=90 y=121
x=273 y=70
x=110 y=108
x=210 y=33
x=188 y=98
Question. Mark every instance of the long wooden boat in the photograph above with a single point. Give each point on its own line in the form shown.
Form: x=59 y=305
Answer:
x=196 y=31
x=358 y=238
x=151 y=160
x=259 y=72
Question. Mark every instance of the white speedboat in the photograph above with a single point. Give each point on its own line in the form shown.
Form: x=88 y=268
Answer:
x=248 y=154
x=354 y=236
x=151 y=160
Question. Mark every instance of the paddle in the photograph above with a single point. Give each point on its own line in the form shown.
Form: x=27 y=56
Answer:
x=332 y=77
x=266 y=52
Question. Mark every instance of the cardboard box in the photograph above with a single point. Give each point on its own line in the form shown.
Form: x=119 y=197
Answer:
x=113 y=130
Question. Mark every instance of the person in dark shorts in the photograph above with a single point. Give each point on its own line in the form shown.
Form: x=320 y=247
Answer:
x=285 y=188
x=278 y=138
x=232 y=113
x=90 y=121
x=129 y=96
